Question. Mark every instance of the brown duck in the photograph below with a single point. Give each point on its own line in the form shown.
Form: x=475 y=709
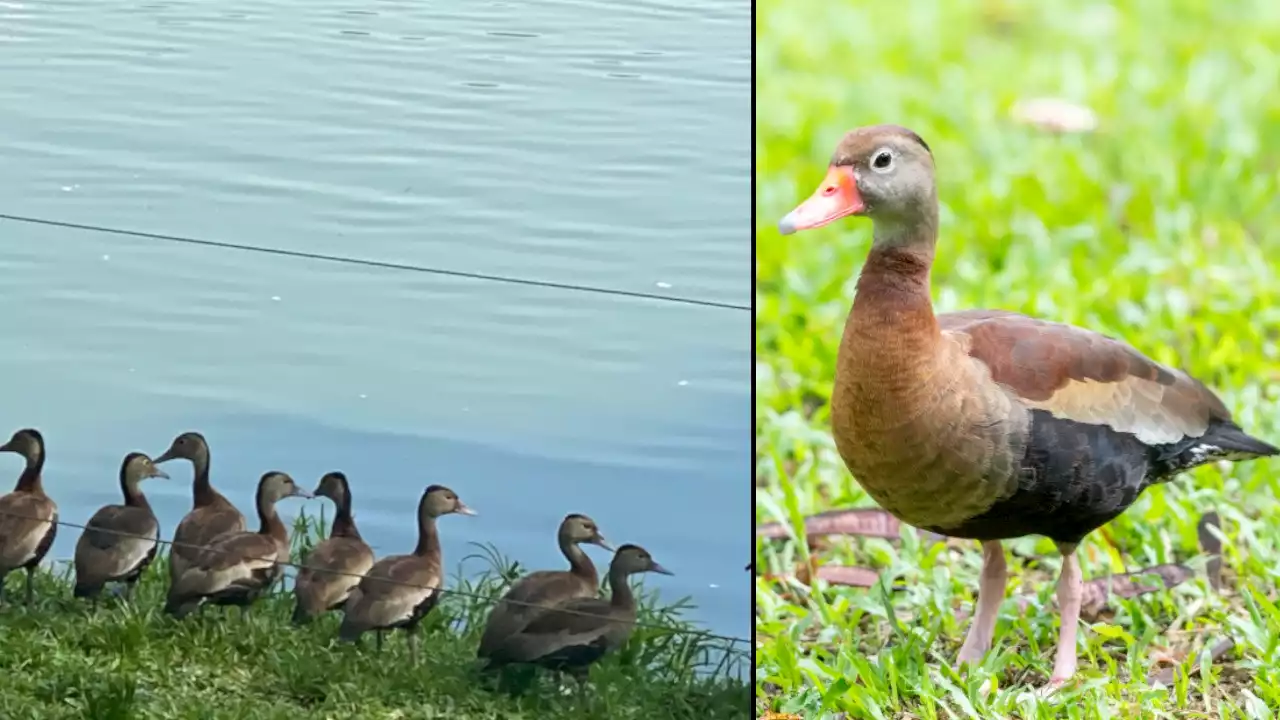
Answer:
x=536 y=591
x=334 y=567
x=577 y=632
x=398 y=591
x=237 y=569
x=211 y=516
x=28 y=517
x=988 y=424
x=119 y=541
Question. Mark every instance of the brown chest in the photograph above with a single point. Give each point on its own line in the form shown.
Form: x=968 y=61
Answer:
x=933 y=444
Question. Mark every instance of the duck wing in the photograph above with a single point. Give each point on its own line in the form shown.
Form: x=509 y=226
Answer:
x=244 y=559
x=116 y=540
x=528 y=598
x=393 y=592
x=1087 y=377
x=26 y=520
x=332 y=570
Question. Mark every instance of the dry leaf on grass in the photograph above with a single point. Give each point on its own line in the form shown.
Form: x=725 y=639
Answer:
x=1164 y=675
x=868 y=522
x=1055 y=115
x=1126 y=585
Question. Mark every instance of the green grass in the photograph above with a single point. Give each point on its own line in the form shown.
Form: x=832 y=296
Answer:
x=1162 y=227
x=59 y=659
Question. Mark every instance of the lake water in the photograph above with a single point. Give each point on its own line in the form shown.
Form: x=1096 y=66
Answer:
x=600 y=143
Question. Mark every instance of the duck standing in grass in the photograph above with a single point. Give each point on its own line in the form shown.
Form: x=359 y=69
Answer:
x=119 y=541
x=536 y=591
x=578 y=632
x=237 y=569
x=334 y=567
x=987 y=424
x=211 y=516
x=28 y=517
x=398 y=591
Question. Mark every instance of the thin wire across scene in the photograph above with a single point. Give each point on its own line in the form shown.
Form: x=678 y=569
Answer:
x=376 y=263
x=732 y=640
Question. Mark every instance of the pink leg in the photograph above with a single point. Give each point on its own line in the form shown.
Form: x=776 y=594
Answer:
x=990 y=594
x=1070 y=594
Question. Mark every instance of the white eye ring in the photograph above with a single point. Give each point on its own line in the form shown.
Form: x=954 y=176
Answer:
x=883 y=155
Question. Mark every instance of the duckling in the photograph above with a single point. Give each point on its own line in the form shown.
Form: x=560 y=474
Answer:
x=119 y=541
x=211 y=516
x=335 y=566
x=28 y=517
x=237 y=568
x=578 y=632
x=398 y=591
x=536 y=591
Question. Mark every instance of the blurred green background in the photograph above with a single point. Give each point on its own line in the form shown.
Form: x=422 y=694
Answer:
x=1160 y=225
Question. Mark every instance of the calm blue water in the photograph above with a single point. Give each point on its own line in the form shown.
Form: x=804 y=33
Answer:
x=589 y=142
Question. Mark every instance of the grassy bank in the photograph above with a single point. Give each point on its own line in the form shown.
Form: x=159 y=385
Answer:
x=1161 y=227
x=59 y=659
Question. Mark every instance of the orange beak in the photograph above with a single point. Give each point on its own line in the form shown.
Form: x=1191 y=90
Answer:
x=835 y=198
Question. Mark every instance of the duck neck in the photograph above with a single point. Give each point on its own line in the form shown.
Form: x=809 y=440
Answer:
x=202 y=493
x=269 y=522
x=428 y=537
x=622 y=596
x=579 y=564
x=344 y=525
x=892 y=300
x=133 y=496
x=31 y=479
x=891 y=338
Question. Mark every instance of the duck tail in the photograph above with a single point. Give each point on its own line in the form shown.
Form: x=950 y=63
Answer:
x=179 y=607
x=300 y=614
x=349 y=631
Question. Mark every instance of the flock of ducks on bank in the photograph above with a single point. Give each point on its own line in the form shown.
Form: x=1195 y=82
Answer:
x=551 y=618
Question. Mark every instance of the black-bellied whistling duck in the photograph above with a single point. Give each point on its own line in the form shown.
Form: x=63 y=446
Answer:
x=334 y=567
x=211 y=516
x=530 y=595
x=119 y=541
x=987 y=424
x=398 y=591
x=236 y=569
x=28 y=517
x=577 y=632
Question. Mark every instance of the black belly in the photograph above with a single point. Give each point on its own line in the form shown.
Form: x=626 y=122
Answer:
x=1076 y=477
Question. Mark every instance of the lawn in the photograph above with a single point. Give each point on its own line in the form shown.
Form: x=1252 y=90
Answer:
x=60 y=659
x=1160 y=226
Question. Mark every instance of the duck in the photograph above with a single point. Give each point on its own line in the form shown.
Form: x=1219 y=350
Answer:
x=991 y=425
x=28 y=517
x=577 y=632
x=212 y=515
x=334 y=567
x=399 y=590
x=236 y=569
x=119 y=541
x=538 y=590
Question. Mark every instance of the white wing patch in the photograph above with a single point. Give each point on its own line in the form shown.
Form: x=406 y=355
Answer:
x=1133 y=405
x=132 y=552
x=199 y=581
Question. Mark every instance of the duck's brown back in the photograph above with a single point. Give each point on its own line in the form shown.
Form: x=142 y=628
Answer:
x=27 y=523
x=528 y=598
x=199 y=528
x=332 y=570
x=117 y=540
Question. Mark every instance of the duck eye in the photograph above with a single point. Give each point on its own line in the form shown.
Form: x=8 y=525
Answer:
x=883 y=160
